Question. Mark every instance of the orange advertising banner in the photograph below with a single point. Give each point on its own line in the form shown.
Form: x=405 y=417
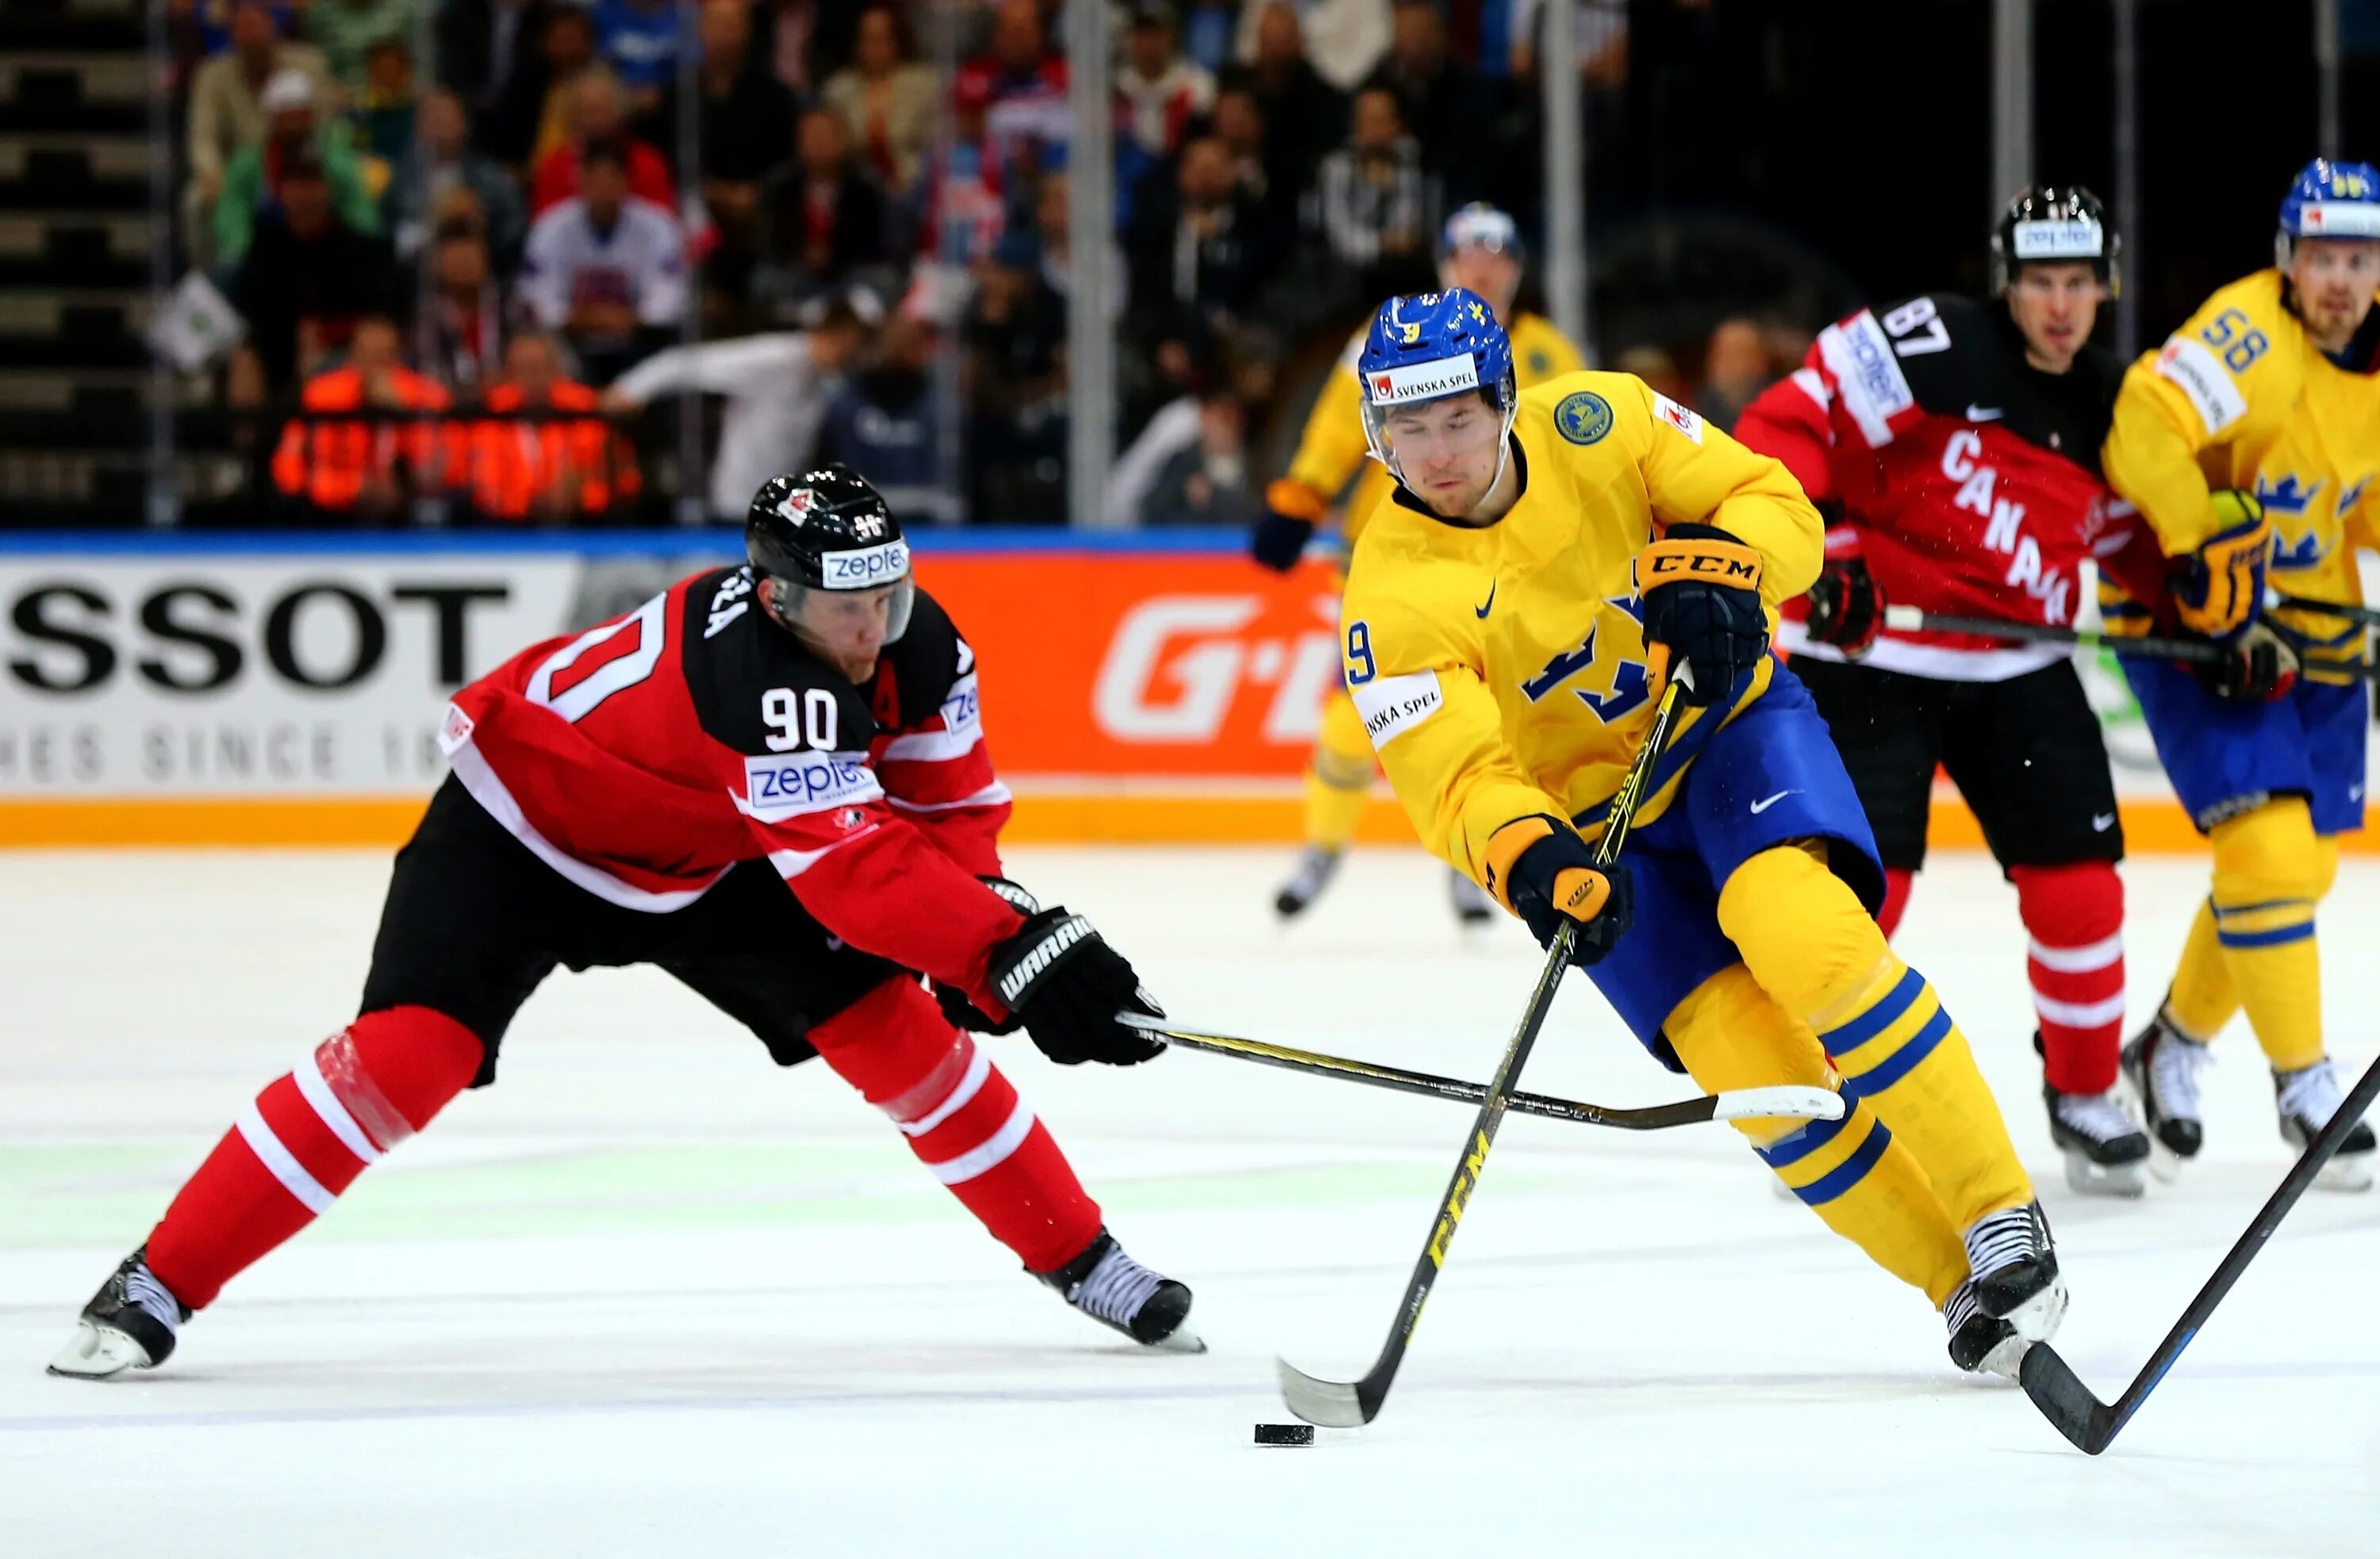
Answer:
x=1192 y=665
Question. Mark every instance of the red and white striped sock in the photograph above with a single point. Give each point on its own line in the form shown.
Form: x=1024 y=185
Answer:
x=2075 y=959
x=964 y=1120
x=304 y=1139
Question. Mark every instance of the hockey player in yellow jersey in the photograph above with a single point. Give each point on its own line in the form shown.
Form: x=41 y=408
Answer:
x=1510 y=615
x=1480 y=249
x=2250 y=442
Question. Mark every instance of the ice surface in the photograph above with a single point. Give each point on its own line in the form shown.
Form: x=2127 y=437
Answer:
x=649 y=1295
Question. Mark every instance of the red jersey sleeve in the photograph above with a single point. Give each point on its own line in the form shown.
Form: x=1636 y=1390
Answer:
x=1790 y=421
x=938 y=773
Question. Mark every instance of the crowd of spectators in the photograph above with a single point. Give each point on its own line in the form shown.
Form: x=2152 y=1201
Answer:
x=472 y=240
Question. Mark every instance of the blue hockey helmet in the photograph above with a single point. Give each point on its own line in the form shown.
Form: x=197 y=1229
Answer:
x=2329 y=201
x=1481 y=226
x=1430 y=348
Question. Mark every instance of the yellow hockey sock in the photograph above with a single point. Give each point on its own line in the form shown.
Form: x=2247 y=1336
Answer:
x=1851 y=1172
x=2203 y=998
x=2270 y=872
x=1810 y=945
x=1339 y=775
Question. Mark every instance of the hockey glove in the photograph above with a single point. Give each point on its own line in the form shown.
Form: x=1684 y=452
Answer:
x=1544 y=873
x=1701 y=590
x=1068 y=985
x=1846 y=607
x=2257 y=668
x=1291 y=510
x=956 y=1008
x=2221 y=586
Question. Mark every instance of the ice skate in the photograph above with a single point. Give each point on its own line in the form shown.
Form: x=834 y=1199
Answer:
x=1113 y=1289
x=130 y=1324
x=2107 y=1152
x=1472 y=904
x=1315 y=867
x=1981 y=1344
x=2014 y=1268
x=2307 y=1099
x=2162 y=1063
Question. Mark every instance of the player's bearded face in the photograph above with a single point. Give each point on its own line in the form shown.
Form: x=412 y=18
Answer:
x=2056 y=306
x=1446 y=451
x=2335 y=279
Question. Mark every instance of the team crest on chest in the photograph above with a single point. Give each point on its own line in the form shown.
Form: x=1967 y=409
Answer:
x=1584 y=417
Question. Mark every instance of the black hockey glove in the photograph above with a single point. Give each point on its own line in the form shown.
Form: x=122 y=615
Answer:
x=1846 y=607
x=964 y=1014
x=1292 y=509
x=1546 y=874
x=1068 y=985
x=2256 y=667
x=1701 y=590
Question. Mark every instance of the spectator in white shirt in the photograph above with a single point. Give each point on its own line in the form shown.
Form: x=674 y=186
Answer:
x=604 y=269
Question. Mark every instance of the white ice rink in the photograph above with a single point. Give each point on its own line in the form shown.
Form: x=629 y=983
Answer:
x=652 y=1296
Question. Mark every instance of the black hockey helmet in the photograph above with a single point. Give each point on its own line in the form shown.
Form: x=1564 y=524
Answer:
x=2055 y=222
x=821 y=537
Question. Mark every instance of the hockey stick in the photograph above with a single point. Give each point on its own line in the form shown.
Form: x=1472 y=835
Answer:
x=1737 y=1104
x=1918 y=620
x=2362 y=615
x=1352 y=1404
x=2090 y=1423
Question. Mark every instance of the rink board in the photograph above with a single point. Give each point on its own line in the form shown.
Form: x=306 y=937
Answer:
x=286 y=690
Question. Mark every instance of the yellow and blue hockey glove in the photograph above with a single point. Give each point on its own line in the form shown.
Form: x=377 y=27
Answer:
x=1540 y=869
x=1701 y=590
x=2220 y=587
x=1292 y=511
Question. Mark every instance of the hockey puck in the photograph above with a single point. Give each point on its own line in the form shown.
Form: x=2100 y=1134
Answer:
x=1284 y=1434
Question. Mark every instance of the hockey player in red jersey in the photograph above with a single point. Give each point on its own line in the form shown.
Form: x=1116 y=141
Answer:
x=1954 y=446
x=648 y=791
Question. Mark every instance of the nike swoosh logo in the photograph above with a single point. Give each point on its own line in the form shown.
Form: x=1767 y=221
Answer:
x=1984 y=413
x=2102 y=821
x=1765 y=802
x=1480 y=610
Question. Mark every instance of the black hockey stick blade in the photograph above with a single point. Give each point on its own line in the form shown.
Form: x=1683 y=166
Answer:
x=2090 y=1424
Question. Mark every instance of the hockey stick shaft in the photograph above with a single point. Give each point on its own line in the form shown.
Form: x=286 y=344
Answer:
x=1787 y=1100
x=2340 y=609
x=1351 y=1403
x=1917 y=620
x=2090 y=1424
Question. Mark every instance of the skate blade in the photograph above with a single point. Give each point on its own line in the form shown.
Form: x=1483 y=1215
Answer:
x=2345 y=1174
x=2165 y=1163
x=2087 y=1177
x=2005 y=1360
x=1180 y=1340
x=96 y=1352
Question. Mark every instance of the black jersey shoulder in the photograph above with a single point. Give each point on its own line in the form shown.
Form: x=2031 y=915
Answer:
x=1964 y=359
x=734 y=658
x=920 y=668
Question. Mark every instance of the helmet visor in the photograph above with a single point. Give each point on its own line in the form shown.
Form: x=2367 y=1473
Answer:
x=844 y=625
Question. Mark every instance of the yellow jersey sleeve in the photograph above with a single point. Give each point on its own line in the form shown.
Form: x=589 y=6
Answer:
x=1695 y=473
x=1432 y=720
x=2214 y=382
x=1332 y=448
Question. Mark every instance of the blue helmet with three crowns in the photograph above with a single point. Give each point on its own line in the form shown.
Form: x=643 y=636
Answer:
x=1427 y=348
x=2329 y=201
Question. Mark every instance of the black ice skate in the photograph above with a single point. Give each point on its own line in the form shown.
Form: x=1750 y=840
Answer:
x=2106 y=1149
x=1110 y=1287
x=1315 y=867
x=2307 y=1099
x=1981 y=1344
x=2162 y=1063
x=2013 y=1268
x=1472 y=904
x=130 y=1324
